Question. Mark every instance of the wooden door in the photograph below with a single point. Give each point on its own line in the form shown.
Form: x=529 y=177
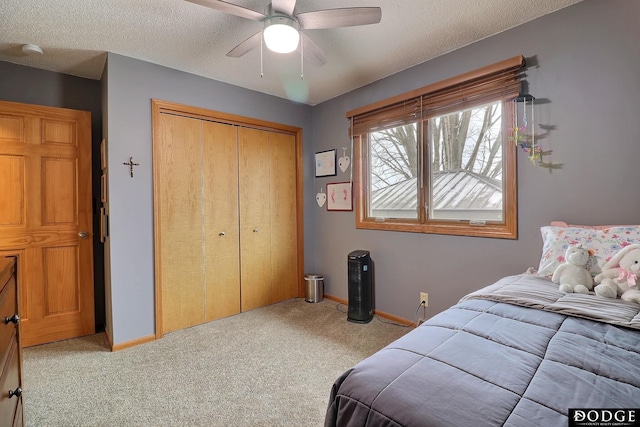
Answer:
x=45 y=218
x=178 y=167
x=221 y=228
x=283 y=216
x=197 y=221
x=255 y=206
x=227 y=214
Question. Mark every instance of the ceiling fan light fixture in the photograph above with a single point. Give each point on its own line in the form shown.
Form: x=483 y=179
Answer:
x=281 y=34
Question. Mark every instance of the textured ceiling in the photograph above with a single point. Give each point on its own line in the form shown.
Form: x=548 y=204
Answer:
x=75 y=34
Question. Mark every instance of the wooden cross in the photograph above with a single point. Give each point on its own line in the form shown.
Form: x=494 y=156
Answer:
x=131 y=165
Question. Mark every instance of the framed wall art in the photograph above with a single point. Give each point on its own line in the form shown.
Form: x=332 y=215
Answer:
x=326 y=163
x=339 y=197
x=103 y=188
x=104 y=224
x=103 y=155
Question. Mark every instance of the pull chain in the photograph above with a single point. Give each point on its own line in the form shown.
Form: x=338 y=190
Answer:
x=301 y=59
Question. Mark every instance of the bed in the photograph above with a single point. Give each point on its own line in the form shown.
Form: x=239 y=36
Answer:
x=516 y=353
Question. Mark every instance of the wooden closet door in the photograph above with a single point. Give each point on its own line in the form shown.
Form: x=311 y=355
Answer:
x=226 y=214
x=221 y=227
x=255 y=233
x=179 y=180
x=283 y=216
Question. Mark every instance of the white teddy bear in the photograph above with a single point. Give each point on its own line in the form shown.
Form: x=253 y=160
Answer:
x=619 y=276
x=573 y=276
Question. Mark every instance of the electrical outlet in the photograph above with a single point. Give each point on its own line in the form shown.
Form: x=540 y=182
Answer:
x=424 y=297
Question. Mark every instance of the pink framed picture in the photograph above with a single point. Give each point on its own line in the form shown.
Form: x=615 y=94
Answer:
x=339 y=197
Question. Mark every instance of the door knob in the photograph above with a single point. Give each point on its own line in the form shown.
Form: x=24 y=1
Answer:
x=221 y=234
x=255 y=230
x=13 y=319
x=83 y=234
x=17 y=392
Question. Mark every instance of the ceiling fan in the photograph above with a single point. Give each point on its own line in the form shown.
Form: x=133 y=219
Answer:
x=282 y=26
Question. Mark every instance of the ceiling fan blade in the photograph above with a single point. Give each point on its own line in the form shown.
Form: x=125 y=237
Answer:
x=283 y=6
x=336 y=18
x=247 y=45
x=231 y=8
x=312 y=51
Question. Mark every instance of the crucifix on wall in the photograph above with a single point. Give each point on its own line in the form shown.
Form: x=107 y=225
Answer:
x=131 y=165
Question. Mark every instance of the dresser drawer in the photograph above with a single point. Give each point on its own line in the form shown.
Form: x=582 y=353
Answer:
x=10 y=381
x=7 y=270
x=8 y=309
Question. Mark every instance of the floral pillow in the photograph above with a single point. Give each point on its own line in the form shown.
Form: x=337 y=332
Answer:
x=603 y=244
x=592 y=227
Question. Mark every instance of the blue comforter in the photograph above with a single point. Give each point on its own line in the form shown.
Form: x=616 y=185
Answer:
x=489 y=363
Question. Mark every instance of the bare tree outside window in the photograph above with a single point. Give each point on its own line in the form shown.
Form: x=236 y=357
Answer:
x=394 y=155
x=466 y=164
x=470 y=140
x=393 y=171
x=465 y=154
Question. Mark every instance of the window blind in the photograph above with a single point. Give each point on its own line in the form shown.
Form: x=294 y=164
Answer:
x=497 y=81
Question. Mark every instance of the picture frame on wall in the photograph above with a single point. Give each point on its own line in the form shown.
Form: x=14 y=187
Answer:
x=103 y=188
x=104 y=232
x=326 y=163
x=339 y=196
x=103 y=155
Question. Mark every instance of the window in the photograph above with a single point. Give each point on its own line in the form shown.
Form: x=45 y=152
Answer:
x=440 y=160
x=393 y=168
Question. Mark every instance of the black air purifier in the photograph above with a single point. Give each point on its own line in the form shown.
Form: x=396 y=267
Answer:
x=360 y=287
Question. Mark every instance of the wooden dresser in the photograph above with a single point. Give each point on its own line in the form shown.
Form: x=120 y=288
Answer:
x=11 y=412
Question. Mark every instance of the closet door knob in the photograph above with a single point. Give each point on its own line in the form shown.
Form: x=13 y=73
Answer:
x=13 y=319
x=255 y=230
x=221 y=234
x=17 y=392
x=83 y=234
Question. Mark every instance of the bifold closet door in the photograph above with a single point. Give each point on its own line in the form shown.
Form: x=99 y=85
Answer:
x=221 y=229
x=180 y=222
x=283 y=216
x=255 y=233
x=268 y=220
x=198 y=221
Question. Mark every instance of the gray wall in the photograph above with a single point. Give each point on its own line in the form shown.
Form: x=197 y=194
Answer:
x=586 y=61
x=33 y=86
x=131 y=86
x=585 y=73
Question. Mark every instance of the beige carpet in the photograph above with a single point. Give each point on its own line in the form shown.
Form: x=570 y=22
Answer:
x=272 y=366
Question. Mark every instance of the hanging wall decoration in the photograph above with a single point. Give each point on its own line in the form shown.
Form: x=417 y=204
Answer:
x=321 y=198
x=131 y=164
x=104 y=225
x=103 y=188
x=326 y=163
x=339 y=196
x=524 y=137
x=103 y=154
x=344 y=161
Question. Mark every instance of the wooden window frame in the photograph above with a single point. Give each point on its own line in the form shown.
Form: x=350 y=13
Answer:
x=397 y=110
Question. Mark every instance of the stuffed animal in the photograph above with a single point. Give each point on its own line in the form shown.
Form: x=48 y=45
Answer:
x=573 y=276
x=619 y=276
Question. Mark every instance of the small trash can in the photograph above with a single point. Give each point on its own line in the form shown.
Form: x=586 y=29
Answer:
x=313 y=287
